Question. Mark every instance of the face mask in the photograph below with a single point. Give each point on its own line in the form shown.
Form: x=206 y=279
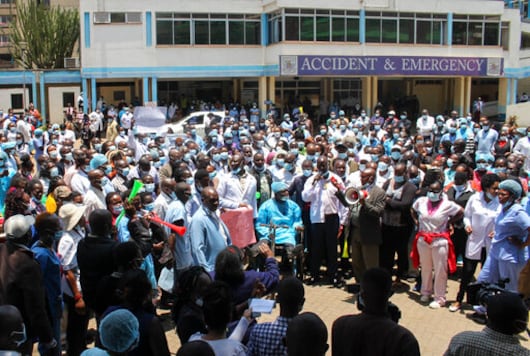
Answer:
x=482 y=166
x=363 y=114
x=377 y=127
x=308 y=172
x=189 y=180
x=424 y=117
x=460 y=188
x=362 y=167
x=402 y=117
x=463 y=127
x=342 y=127
x=440 y=123
x=18 y=337
x=236 y=171
x=259 y=144
x=288 y=166
x=415 y=181
x=452 y=130
x=507 y=204
x=475 y=130
x=97 y=146
x=19 y=142
x=383 y=166
x=317 y=154
x=54 y=154
x=355 y=130
x=122 y=133
x=294 y=151
x=323 y=132
x=57 y=235
x=130 y=160
x=428 y=150
x=259 y=169
x=193 y=132
x=399 y=179
x=224 y=156
x=395 y=136
x=485 y=127
x=450 y=162
x=342 y=155
x=212 y=174
x=434 y=197
x=104 y=181
x=187 y=157
x=125 y=171
x=108 y=170
x=284 y=198
x=117 y=209
x=55 y=142
x=145 y=140
x=500 y=170
x=149 y=187
x=280 y=162
x=157 y=164
x=375 y=158
x=54 y=172
x=419 y=141
x=395 y=155
x=149 y=207
x=490 y=196
x=276 y=134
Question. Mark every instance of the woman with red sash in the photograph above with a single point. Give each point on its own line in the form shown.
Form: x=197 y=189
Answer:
x=432 y=248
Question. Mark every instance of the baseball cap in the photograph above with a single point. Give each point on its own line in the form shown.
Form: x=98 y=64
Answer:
x=18 y=225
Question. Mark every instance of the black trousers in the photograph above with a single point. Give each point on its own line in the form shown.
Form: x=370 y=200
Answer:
x=395 y=240
x=468 y=271
x=324 y=244
x=76 y=328
x=459 y=241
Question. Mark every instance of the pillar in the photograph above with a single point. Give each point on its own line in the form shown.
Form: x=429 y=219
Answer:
x=262 y=94
x=449 y=28
x=236 y=92
x=366 y=97
x=467 y=95
x=513 y=99
x=271 y=88
x=34 y=90
x=362 y=26
x=504 y=93
x=84 y=88
x=374 y=94
x=93 y=94
x=459 y=95
x=43 y=97
x=154 y=90
x=145 y=92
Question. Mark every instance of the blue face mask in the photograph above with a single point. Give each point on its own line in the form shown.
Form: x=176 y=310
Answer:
x=236 y=171
x=280 y=162
x=377 y=127
x=395 y=136
x=342 y=155
x=224 y=156
x=449 y=162
x=399 y=179
x=54 y=172
x=362 y=167
x=288 y=166
x=125 y=171
x=189 y=181
x=375 y=158
x=116 y=210
x=57 y=235
x=104 y=181
x=310 y=157
x=149 y=207
x=490 y=196
x=216 y=157
x=383 y=166
x=108 y=170
x=434 y=197
x=308 y=172
x=284 y=198
x=212 y=174
x=415 y=181
x=149 y=187
x=97 y=146
x=395 y=155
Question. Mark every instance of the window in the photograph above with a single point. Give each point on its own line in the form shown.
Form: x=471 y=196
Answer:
x=68 y=98
x=104 y=17
x=5 y=20
x=118 y=95
x=314 y=25
x=4 y=40
x=17 y=101
x=473 y=30
x=2 y=2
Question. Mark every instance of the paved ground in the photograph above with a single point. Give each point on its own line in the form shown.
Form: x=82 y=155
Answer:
x=432 y=328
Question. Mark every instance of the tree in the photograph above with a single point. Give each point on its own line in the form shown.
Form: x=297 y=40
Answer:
x=42 y=36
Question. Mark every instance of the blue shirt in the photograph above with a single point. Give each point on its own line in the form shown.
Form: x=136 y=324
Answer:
x=485 y=140
x=207 y=238
x=266 y=339
x=175 y=212
x=279 y=213
x=50 y=266
x=512 y=223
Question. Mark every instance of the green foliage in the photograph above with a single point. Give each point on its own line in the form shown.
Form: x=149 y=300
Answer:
x=42 y=36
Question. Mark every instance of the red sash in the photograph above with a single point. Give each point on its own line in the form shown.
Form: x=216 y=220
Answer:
x=428 y=237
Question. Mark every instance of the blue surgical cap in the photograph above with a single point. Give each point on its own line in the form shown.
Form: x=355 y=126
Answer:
x=512 y=186
x=488 y=157
x=279 y=186
x=118 y=331
x=98 y=160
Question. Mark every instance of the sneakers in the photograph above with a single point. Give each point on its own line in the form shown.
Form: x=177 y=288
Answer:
x=425 y=299
x=435 y=305
x=455 y=307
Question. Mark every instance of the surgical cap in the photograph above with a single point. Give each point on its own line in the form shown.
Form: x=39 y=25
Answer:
x=488 y=157
x=118 y=331
x=279 y=186
x=512 y=186
x=98 y=160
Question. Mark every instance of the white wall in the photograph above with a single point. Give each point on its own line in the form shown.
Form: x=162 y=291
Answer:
x=55 y=102
x=520 y=110
x=5 y=98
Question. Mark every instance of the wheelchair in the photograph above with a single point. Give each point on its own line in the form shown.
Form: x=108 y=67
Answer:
x=292 y=256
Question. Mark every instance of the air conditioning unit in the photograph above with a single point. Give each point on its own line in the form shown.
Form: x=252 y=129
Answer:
x=71 y=62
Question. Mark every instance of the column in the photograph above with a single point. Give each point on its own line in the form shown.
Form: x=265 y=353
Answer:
x=145 y=93
x=271 y=87
x=262 y=94
x=374 y=94
x=43 y=97
x=366 y=94
x=84 y=88
x=504 y=94
x=459 y=95
x=154 y=89
x=449 y=28
x=467 y=95
x=236 y=83
x=362 y=26
x=148 y=29
x=514 y=91
x=34 y=90
x=264 y=30
x=93 y=94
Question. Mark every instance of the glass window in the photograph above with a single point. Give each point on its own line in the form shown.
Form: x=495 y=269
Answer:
x=459 y=33
x=475 y=34
x=236 y=33
x=423 y=32
x=292 y=28
x=182 y=32
x=373 y=30
x=164 y=32
x=117 y=17
x=323 y=28
x=406 y=31
x=252 y=33
x=352 y=30
x=201 y=32
x=491 y=34
x=338 y=29
x=389 y=31
x=218 y=32
x=307 y=30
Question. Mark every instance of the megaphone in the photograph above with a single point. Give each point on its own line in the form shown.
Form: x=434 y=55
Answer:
x=354 y=195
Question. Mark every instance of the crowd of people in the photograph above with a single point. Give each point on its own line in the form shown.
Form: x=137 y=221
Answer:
x=111 y=222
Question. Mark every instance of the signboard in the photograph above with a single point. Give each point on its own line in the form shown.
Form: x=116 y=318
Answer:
x=390 y=65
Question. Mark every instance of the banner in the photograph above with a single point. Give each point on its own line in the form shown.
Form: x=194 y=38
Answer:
x=390 y=65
